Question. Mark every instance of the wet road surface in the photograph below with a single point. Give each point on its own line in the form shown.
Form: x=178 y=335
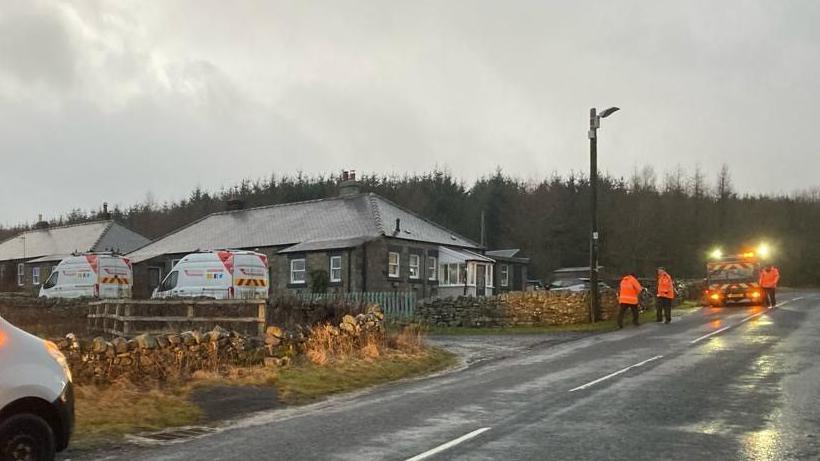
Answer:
x=732 y=383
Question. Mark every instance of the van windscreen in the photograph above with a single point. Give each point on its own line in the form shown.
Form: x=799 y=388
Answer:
x=52 y=280
x=170 y=282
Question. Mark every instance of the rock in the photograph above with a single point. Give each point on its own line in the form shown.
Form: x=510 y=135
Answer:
x=99 y=345
x=146 y=341
x=120 y=345
x=188 y=338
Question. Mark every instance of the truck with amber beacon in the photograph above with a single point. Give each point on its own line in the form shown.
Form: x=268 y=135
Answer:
x=734 y=278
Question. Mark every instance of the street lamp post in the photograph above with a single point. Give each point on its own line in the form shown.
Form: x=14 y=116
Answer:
x=594 y=124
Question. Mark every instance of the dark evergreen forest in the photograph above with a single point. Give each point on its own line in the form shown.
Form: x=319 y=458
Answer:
x=645 y=220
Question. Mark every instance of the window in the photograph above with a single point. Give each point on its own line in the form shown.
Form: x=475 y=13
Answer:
x=393 y=264
x=489 y=278
x=35 y=275
x=21 y=276
x=170 y=282
x=504 y=275
x=174 y=262
x=452 y=274
x=335 y=268
x=297 y=270
x=415 y=267
x=432 y=268
x=2 y=272
x=52 y=280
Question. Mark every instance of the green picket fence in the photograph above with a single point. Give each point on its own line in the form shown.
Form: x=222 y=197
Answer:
x=397 y=306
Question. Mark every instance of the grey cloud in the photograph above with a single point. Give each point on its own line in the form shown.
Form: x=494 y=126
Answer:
x=35 y=46
x=163 y=96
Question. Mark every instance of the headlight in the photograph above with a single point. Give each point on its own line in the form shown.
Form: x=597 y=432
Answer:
x=58 y=356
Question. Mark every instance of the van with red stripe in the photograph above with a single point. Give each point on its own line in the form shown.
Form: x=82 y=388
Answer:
x=91 y=275
x=223 y=274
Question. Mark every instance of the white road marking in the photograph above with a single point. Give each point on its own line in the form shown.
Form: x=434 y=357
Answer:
x=746 y=319
x=709 y=335
x=449 y=444
x=592 y=383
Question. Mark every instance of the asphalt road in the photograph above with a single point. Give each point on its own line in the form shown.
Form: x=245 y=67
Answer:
x=733 y=383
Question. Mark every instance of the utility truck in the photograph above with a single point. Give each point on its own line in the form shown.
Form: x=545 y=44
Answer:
x=733 y=278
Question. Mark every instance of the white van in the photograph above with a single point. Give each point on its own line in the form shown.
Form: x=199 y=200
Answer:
x=226 y=274
x=94 y=275
x=36 y=397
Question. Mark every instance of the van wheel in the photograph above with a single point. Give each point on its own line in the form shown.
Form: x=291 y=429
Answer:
x=26 y=437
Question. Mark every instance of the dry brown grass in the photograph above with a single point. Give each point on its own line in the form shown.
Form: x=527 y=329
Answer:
x=106 y=413
x=333 y=362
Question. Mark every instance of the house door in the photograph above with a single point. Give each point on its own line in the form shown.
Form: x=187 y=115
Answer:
x=480 y=280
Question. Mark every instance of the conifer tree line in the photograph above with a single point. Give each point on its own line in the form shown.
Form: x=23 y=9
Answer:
x=645 y=220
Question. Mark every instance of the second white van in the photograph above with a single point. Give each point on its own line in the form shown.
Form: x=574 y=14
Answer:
x=93 y=275
x=226 y=274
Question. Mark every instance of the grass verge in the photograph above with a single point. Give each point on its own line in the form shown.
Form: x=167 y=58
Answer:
x=104 y=415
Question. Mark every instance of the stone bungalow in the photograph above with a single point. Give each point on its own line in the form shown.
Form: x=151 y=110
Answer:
x=26 y=260
x=350 y=243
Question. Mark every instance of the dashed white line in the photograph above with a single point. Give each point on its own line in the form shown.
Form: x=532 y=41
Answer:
x=744 y=320
x=709 y=335
x=611 y=375
x=449 y=444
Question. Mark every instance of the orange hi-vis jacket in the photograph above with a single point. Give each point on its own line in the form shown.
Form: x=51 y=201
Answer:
x=665 y=288
x=630 y=289
x=769 y=278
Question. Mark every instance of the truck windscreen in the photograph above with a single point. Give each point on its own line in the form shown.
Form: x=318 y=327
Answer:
x=734 y=273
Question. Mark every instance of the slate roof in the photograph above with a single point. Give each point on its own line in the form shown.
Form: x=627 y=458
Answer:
x=507 y=255
x=56 y=242
x=315 y=224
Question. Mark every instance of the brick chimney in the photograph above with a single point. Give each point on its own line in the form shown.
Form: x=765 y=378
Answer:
x=348 y=185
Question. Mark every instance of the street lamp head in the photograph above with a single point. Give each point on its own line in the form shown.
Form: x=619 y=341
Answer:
x=609 y=112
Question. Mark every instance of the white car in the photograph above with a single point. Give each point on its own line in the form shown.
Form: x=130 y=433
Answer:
x=225 y=274
x=90 y=275
x=36 y=398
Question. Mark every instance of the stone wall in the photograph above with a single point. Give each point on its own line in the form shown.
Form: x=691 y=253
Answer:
x=45 y=317
x=147 y=358
x=541 y=308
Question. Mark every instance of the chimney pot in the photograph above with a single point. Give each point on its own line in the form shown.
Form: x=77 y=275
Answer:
x=348 y=186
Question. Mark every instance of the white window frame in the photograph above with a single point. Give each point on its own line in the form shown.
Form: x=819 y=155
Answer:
x=489 y=283
x=432 y=268
x=174 y=262
x=391 y=266
x=294 y=271
x=444 y=275
x=472 y=271
x=35 y=275
x=333 y=269
x=415 y=268
x=504 y=275
x=21 y=274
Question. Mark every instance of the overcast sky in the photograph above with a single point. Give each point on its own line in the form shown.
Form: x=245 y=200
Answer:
x=113 y=100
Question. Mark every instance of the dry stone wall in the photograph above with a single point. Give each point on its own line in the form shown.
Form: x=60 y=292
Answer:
x=541 y=308
x=163 y=357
